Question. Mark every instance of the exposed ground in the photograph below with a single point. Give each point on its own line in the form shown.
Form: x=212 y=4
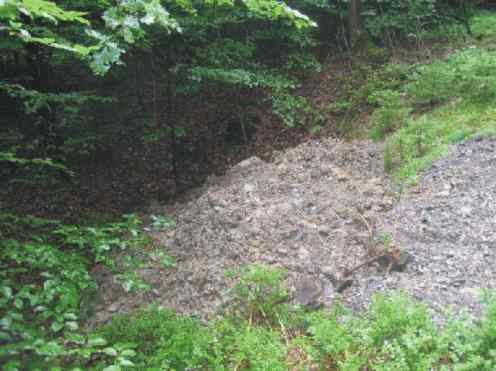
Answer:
x=327 y=212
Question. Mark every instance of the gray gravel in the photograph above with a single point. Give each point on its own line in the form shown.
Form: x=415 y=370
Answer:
x=317 y=211
x=448 y=224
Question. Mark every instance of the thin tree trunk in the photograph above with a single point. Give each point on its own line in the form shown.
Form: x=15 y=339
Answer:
x=172 y=128
x=354 y=22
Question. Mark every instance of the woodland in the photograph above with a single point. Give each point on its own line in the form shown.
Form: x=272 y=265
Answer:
x=108 y=108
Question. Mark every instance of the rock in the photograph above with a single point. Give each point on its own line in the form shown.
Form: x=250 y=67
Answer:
x=328 y=271
x=114 y=307
x=303 y=254
x=324 y=232
x=292 y=213
x=395 y=264
x=341 y=175
x=342 y=284
x=466 y=210
x=249 y=188
x=308 y=293
x=315 y=174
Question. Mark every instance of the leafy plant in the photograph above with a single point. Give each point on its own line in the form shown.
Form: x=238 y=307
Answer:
x=44 y=269
x=163 y=339
x=258 y=294
x=160 y=222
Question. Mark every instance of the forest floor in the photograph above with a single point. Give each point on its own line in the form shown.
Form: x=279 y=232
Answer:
x=327 y=212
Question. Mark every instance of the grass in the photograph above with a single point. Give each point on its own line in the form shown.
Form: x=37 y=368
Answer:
x=424 y=139
x=441 y=103
x=483 y=26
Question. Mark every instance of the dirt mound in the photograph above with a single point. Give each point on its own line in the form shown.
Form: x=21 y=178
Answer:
x=305 y=212
x=324 y=211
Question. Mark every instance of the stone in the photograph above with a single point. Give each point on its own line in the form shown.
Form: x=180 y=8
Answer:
x=341 y=175
x=343 y=284
x=249 y=188
x=308 y=293
x=114 y=307
x=393 y=263
x=303 y=254
x=328 y=271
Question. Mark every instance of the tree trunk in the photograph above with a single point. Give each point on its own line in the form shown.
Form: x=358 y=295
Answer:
x=354 y=23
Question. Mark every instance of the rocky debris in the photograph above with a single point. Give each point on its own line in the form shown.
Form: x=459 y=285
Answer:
x=318 y=210
x=309 y=293
x=302 y=212
x=395 y=262
x=446 y=224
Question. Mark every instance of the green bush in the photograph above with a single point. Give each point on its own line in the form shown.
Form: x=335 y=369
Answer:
x=44 y=276
x=391 y=115
x=395 y=333
x=468 y=75
x=244 y=347
x=258 y=294
x=164 y=340
x=453 y=101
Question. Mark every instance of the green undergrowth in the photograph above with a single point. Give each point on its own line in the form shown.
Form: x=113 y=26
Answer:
x=438 y=104
x=262 y=332
x=484 y=27
x=47 y=292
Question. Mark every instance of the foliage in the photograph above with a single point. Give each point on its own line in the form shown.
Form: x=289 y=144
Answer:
x=465 y=86
x=59 y=114
x=179 y=59
x=44 y=274
x=257 y=293
x=164 y=340
x=390 y=116
x=394 y=333
x=466 y=75
x=394 y=21
x=483 y=26
x=246 y=347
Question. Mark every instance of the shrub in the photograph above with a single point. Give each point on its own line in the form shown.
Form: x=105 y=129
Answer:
x=242 y=346
x=468 y=75
x=391 y=115
x=258 y=294
x=164 y=340
x=44 y=273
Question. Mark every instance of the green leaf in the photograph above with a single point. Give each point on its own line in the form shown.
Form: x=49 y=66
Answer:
x=110 y=352
x=96 y=341
x=112 y=368
x=70 y=316
x=126 y=363
x=57 y=326
x=18 y=303
x=6 y=291
x=128 y=353
x=72 y=325
x=5 y=336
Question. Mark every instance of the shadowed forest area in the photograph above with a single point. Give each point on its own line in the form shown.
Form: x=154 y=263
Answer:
x=118 y=118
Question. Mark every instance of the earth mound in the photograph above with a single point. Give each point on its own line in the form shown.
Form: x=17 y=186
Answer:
x=325 y=211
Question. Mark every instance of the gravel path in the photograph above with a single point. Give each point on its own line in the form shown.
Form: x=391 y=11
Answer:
x=318 y=210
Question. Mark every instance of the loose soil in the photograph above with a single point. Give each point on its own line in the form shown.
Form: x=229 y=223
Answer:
x=328 y=214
